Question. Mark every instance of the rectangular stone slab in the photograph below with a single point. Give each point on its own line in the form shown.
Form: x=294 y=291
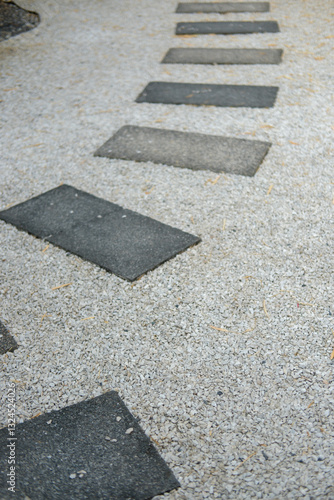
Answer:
x=226 y=28
x=94 y=437
x=222 y=56
x=204 y=94
x=222 y=7
x=122 y=241
x=7 y=342
x=186 y=150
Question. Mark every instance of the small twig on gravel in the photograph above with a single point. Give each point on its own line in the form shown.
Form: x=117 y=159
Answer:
x=45 y=315
x=250 y=456
x=220 y=329
x=236 y=333
x=265 y=309
x=61 y=286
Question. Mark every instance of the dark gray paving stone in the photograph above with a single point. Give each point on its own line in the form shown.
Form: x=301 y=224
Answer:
x=222 y=7
x=226 y=28
x=222 y=56
x=203 y=94
x=119 y=240
x=186 y=150
x=53 y=446
x=7 y=342
x=5 y=494
x=15 y=20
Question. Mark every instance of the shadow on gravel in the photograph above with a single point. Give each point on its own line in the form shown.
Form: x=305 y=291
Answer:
x=15 y=20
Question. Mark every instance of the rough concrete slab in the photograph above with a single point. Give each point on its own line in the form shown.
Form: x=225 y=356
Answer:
x=222 y=7
x=15 y=20
x=186 y=150
x=202 y=94
x=222 y=56
x=93 y=449
x=5 y=494
x=226 y=27
x=7 y=342
x=121 y=241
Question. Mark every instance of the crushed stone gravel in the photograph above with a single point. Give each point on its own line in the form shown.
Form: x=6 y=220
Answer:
x=223 y=352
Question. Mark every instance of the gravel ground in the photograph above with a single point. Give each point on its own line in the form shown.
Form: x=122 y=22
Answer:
x=242 y=410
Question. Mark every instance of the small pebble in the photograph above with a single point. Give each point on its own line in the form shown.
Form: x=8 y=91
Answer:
x=73 y=476
x=118 y=419
x=107 y=438
x=129 y=430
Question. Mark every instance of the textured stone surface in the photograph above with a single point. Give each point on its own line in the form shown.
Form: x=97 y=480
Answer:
x=86 y=451
x=209 y=397
x=209 y=94
x=7 y=342
x=15 y=20
x=222 y=7
x=222 y=56
x=186 y=150
x=119 y=240
x=226 y=27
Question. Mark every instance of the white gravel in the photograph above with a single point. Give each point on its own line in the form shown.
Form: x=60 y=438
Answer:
x=241 y=412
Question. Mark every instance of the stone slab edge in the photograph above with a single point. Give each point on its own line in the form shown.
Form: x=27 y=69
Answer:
x=221 y=7
x=222 y=56
x=226 y=27
x=185 y=150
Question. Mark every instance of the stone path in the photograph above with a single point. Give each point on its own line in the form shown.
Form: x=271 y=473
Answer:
x=226 y=28
x=222 y=7
x=222 y=56
x=227 y=365
x=94 y=449
x=129 y=245
x=184 y=150
x=121 y=241
x=202 y=94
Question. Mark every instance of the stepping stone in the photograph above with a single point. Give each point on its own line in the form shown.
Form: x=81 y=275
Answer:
x=93 y=449
x=222 y=7
x=226 y=28
x=186 y=150
x=223 y=56
x=121 y=241
x=7 y=342
x=202 y=94
x=15 y=20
